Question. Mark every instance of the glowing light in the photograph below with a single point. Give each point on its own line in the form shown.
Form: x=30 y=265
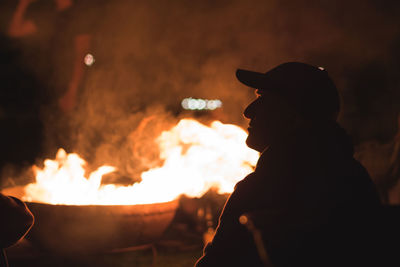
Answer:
x=214 y=104
x=201 y=104
x=243 y=219
x=321 y=68
x=196 y=158
x=89 y=60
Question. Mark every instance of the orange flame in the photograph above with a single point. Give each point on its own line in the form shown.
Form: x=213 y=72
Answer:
x=196 y=158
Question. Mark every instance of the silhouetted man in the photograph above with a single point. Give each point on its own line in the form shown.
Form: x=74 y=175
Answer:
x=310 y=202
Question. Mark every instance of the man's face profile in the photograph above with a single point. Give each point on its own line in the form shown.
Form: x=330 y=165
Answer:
x=270 y=117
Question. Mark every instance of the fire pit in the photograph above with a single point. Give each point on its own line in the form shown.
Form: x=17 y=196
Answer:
x=96 y=228
x=76 y=212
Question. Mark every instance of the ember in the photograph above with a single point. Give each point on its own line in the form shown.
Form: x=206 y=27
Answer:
x=196 y=158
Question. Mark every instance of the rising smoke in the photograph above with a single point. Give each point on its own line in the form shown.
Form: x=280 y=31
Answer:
x=152 y=54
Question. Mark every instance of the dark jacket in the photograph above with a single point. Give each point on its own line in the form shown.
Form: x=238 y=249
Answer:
x=311 y=200
x=15 y=222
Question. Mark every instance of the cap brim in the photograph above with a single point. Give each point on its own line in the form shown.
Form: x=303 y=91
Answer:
x=251 y=78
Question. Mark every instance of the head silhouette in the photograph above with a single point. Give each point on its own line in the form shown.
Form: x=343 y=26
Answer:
x=288 y=95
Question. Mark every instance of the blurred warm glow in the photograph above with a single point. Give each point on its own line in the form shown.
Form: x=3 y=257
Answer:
x=89 y=60
x=243 y=219
x=196 y=158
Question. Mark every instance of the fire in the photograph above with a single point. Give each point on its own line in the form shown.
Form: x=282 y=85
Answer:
x=196 y=158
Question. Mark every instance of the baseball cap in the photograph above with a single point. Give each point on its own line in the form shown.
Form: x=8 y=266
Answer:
x=307 y=88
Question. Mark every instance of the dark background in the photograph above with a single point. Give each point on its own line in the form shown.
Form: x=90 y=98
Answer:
x=152 y=54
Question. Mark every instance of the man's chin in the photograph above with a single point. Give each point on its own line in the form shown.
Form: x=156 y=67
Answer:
x=254 y=144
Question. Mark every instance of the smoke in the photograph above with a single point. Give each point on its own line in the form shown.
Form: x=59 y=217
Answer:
x=152 y=54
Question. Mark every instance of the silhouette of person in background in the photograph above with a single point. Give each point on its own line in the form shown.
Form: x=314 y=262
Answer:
x=46 y=43
x=308 y=200
x=22 y=26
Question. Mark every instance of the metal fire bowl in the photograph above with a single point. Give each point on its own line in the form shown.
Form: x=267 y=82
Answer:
x=69 y=229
